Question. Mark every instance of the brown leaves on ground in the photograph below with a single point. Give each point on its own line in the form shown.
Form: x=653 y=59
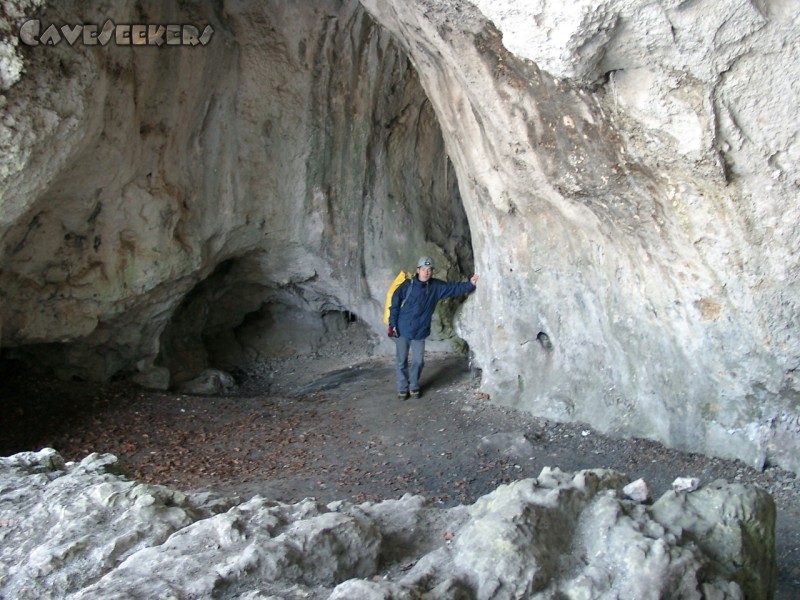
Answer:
x=198 y=441
x=307 y=446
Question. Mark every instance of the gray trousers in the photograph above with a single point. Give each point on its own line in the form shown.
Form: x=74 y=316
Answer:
x=409 y=380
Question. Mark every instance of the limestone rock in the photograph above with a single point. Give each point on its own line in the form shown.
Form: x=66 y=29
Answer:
x=685 y=484
x=11 y=62
x=209 y=382
x=154 y=378
x=71 y=524
x=638 y=491
x=622 y=174
x=84 y=531
x=734 y=525
x=516 y=445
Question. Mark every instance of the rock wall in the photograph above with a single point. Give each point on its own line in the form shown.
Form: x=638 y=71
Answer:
x=637 y=237
x=621 y=174
x=157 y=199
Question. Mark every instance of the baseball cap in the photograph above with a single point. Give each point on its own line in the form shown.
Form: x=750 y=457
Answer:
x=425 y=261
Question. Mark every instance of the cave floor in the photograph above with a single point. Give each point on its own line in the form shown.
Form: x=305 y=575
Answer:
x=332 y=428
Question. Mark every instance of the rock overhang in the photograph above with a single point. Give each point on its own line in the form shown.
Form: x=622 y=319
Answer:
x=323 y=147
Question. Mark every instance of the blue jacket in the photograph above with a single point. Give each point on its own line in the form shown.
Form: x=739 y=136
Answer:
x=414 y=302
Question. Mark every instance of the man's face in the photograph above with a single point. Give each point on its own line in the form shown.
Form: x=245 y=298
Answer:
x=424 y=273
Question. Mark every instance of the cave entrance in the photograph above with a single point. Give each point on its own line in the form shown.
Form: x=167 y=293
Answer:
x=354 y=185
x=230 y=323
x=292 y=200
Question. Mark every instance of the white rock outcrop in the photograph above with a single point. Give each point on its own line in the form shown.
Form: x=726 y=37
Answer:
x=81 y=531
x=622 y=174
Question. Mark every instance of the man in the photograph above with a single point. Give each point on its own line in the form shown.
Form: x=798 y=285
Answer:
x=410 y=314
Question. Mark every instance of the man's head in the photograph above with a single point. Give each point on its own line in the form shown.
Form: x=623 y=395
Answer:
x=424 y=268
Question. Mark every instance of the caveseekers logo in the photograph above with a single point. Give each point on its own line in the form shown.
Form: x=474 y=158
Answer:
x=32 y=34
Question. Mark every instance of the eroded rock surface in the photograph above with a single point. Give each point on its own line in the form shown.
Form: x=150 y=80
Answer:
x=81 y=530
x=622 y=174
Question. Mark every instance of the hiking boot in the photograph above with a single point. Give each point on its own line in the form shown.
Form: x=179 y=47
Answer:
x=402 y=395
x=415 y=393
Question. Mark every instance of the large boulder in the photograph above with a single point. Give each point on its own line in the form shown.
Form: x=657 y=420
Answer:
x=82 y=530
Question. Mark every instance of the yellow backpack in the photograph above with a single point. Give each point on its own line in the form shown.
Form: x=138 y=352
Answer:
x=401 y=277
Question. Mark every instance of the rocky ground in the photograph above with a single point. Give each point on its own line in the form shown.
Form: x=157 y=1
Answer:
x=330 y=427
